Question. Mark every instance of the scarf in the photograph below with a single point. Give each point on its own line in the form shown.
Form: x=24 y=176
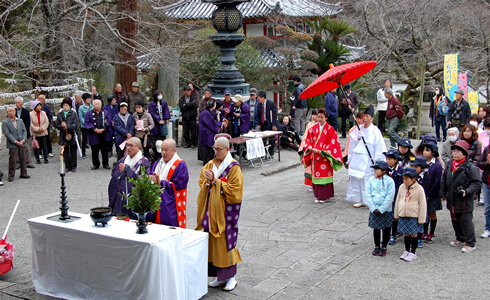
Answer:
x=438 y=98
x=124 y=117
x=408 y=195
x=160 y=110
x=132 y=161
x=163 y=168
x=224 y=164
x=38 y=118
x=456 y=164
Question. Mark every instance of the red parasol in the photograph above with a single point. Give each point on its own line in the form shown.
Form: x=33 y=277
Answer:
x=336 y=76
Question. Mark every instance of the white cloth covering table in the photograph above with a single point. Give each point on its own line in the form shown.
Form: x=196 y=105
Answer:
x=78 y=260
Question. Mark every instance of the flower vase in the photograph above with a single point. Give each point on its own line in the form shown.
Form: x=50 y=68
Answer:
x=142 y=223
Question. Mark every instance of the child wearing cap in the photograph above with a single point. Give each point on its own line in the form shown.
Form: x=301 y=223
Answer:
x=410 y=211
x=434 y=203
x=404 y=147
x=380 y=191
x=392 y=159
x=420 y=165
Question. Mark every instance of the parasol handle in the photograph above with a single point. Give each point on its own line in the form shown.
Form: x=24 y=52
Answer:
x=10 y=220
x=357 y=125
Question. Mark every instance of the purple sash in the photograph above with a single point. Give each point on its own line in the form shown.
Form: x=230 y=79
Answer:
x=232 y=214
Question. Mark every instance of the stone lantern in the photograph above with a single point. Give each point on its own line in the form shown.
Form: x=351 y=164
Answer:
x=227 y=19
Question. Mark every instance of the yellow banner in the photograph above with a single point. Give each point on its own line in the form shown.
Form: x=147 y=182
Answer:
x=473 y=101
x=451 y=62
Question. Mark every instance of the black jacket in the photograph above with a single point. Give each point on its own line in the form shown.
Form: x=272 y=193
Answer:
x=485 y=167
x=466 y=113
x=71 y=121
x=26 y=119
x=286 y=133
x=188 y=110
x=270 y=115
x=466 y=177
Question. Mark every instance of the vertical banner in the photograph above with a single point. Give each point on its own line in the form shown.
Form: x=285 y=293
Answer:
x=463 y=84
x=451 y=74
x=473 y=101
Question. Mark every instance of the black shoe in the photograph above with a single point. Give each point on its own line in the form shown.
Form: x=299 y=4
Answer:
x=106 y=167
x=344 y=136
x=187 y=146
x=10 y=180
x=376 y=251
x=193 y=147
x=382 y=252
x=17 y=167
x=94 y=168
x=46 y=161
x=31 y=166
x=25 y=177
x=87 y=147
x=38 y=162
x=480 y=204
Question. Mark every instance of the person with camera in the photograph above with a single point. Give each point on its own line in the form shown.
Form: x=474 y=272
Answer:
x=460 y=182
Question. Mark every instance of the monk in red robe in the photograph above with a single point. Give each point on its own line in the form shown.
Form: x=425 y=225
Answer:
x=324 y=155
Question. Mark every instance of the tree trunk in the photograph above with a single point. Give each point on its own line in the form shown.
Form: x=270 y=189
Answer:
x=126 y=66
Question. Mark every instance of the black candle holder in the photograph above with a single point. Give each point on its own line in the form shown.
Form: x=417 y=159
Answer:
x=63 y=217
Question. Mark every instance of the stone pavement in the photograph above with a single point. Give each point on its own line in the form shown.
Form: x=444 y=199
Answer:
x=291 y=247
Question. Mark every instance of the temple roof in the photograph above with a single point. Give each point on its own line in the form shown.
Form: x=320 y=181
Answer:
x=197 y=10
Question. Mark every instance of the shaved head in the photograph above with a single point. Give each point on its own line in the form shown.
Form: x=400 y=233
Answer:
x=135 y=141
x=171 y=143
x=222 y=141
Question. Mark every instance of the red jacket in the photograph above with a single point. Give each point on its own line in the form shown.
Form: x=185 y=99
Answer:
x=394 y=105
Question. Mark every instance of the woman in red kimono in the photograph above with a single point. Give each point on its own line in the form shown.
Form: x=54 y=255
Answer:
x=324 y=155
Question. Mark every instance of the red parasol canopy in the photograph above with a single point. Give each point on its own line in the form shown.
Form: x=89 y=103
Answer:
x=331 y=79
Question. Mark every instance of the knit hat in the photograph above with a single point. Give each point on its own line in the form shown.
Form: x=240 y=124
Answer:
x=420 y=161
x=393 y=153
x=34 y=104
x=410 y=172
x=461 y=145
x=369 y=110
x=67 y=101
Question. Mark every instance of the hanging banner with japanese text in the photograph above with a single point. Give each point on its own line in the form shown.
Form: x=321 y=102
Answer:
x=451 y=62
x=463 y=84
x=473 y=101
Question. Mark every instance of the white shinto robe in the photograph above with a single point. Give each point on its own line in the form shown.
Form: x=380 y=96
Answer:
x=359 y=163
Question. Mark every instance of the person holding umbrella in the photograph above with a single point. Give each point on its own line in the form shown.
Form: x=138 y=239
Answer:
x=366 y=145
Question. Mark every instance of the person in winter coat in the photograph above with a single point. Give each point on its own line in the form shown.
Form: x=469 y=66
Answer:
x=460 y=182
x=289 y=134
x=123 y=128
x=188 y=107
x=380 y=192
x=67 y=124
x=209 y=126
x=158 y=109
x=452 y=138
x=459 y=111
x=143 y=132
x=39 y=129
x=439 y=107
x=484 y=165
x=112 y=108
x=470 y=135
x=240 y=117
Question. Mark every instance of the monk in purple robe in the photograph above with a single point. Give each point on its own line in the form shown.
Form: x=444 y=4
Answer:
x=97 y=123
x=170 y=172
x=127 y=167
x=240 y=118
x=218 y=210
x=209 y=126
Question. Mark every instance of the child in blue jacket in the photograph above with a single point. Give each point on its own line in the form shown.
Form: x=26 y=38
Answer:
x=380 y=191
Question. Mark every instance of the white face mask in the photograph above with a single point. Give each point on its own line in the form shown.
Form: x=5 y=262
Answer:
x=159 y=97
x=452 y=138
x=487 y=131
x=437 y=92
x=474 y=123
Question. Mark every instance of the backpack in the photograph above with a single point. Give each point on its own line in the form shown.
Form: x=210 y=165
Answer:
x=443 y=107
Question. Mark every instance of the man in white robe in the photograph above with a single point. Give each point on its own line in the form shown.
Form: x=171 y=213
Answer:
x=359 y=161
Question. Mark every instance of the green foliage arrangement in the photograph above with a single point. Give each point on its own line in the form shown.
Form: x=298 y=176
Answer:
x=145 y=195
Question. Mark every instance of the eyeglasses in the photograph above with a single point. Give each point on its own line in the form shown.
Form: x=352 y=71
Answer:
x=131 y=146
x=218 y=149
